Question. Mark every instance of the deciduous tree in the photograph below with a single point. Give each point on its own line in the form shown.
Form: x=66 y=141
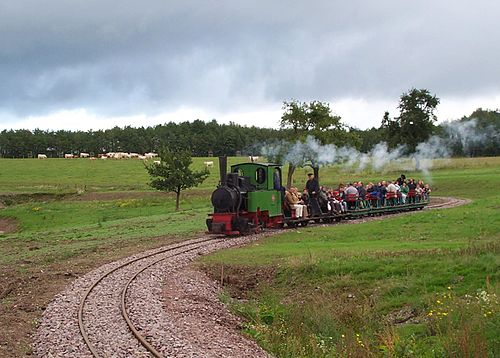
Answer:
x=314 y=118
x=416 y=120
x=173 y=173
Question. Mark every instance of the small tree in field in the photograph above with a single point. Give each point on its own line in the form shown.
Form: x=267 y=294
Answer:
x=173 y=173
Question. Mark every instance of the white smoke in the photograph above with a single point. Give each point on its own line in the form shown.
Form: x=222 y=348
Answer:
x=380 y=155
x=311 y=152
x=466 y=135
x=435 y=147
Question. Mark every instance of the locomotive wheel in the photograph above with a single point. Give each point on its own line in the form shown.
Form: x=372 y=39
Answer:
x=209 y=224
x=242 y=225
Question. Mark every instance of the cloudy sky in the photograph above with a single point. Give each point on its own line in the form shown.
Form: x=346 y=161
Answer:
x=84 y=64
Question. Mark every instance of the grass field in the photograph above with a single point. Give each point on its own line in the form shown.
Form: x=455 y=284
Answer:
x=73 y=215
x=78 y=175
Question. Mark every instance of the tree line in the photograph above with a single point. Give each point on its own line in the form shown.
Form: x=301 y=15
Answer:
x=414 y=124
x=198 y=137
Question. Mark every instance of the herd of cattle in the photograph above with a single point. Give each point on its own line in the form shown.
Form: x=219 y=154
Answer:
x=111 y=155
x=123 y=155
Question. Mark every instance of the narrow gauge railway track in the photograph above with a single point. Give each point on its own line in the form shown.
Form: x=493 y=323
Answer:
x=448 y=203
x=177 y=249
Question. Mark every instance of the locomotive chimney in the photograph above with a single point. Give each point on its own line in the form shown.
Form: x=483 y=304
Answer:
x=223 y=169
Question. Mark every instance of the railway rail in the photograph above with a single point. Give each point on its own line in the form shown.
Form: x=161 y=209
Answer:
x=177 y=250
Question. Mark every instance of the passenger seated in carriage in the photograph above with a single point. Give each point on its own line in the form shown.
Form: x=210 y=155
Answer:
x=427 y=191
x=362 y=194
x=392 y=194
x=323 y=199
x=293 y=201
x=412 y=191
x=372 y=194
x=382 y=191
x=404 y=192
x=335 y=204
x=419 y=192
x=351 y=196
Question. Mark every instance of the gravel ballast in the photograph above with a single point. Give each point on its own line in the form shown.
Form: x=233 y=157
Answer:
x=59 y=335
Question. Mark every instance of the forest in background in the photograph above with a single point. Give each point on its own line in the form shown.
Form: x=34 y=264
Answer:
x=212 y=138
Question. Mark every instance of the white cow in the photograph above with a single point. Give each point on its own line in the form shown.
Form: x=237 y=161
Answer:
x=141 y=157
x=150 y=155
x=208 y=164
x=42 y=156
x=253 y=159
x=157 y=162
x=68 y=156
x=84 y=155
x=134 y=155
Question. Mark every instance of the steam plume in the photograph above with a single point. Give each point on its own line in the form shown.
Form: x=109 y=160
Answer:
x=457 y=134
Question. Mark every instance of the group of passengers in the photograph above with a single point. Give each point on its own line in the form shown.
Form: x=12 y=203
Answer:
x=316 y=199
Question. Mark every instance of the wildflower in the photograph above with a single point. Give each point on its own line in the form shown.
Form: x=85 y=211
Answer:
x=449 y=287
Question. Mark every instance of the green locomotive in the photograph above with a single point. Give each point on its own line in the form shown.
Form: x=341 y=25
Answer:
x=248 y=198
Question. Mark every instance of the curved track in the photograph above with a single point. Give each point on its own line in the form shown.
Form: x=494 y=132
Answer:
x=177 y=249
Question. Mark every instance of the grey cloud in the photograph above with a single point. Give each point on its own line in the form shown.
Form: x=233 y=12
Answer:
x=126 y=57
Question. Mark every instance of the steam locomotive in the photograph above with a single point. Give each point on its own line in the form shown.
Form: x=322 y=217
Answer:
x=250 y=197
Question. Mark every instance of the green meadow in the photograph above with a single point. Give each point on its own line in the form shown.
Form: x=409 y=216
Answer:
x=78 y=175
x=369 y=289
